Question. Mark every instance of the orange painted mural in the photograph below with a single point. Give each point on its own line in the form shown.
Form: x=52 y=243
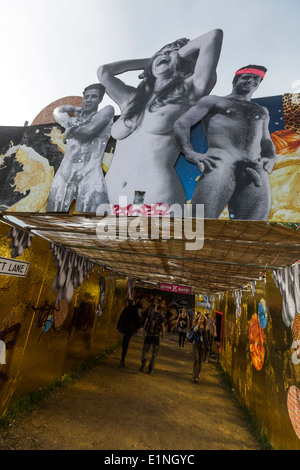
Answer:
x=257 y=342
x=293 y=404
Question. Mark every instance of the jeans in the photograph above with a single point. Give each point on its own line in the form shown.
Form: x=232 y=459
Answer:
x=125 y=344
x=154 y=341
x=197 y=356
x=182 y=335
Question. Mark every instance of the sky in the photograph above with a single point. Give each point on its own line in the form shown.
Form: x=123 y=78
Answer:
x=52 y=49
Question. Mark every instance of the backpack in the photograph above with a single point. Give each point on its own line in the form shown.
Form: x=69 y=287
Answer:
x=190 y=335
x=153 y=324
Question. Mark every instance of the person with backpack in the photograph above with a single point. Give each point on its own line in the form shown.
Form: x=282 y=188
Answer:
x=154 y=324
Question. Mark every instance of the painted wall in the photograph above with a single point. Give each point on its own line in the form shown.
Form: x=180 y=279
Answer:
x=259 y=353
x=36 y=348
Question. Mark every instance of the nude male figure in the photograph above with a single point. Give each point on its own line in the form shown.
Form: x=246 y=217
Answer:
x=240 y=150
x=80 y=176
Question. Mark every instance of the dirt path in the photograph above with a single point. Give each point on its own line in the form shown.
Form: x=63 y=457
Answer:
x=110 y=408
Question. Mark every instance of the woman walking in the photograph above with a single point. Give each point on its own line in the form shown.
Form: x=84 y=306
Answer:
x=199 y=343
x=182 y=326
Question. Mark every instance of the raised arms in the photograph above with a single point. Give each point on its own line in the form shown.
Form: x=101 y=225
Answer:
x=116 y=89
x=91 y=129
x=209 y=46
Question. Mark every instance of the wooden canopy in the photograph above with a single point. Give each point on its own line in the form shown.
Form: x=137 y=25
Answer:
x=233 y=253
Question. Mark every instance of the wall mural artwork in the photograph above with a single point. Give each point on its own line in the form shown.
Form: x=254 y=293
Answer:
x=100 y=305
x=45 y=315
x=177 y=75
x=71 y=271
x=80 y=176
x=27 y=167
x=166 y=147
x=256 y=342
x=238 y=299
x=262 y=313
x=288 y=282
x=8 y=339
x=20 y=241
x=296 y=339
x=240 y=152
x=293 y=405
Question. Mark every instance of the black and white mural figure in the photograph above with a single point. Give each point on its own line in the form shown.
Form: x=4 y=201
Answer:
x=240 y=151
x=71 y=269
x=129 y=288
x=20 y=241
x=173 y=80
x=80 y=176
x=99 y=310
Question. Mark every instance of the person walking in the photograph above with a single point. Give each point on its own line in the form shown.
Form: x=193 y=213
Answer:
x=199 y=343
x=182 y=326
x=128 y=324
x=210 y=331
x=154 y=324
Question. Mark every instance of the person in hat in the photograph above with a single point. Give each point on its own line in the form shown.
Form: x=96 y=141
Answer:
x=240 y=155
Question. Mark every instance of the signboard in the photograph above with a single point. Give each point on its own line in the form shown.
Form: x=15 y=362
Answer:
x=12 y=267
x=156 y=152
x=175 y=288
x=202 y=301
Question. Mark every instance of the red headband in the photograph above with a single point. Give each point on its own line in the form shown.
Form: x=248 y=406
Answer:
x=259 y=72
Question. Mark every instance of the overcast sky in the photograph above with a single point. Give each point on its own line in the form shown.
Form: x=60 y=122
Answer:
x=52 y=49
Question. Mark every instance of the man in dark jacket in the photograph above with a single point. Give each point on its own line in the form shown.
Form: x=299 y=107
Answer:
x=199 y=344
x=128 y=324
x=154 y=324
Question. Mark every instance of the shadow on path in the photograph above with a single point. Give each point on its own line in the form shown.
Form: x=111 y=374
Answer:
x=112 y=408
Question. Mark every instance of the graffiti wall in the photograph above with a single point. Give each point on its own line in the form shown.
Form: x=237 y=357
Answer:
x=260 y=352
x=47 y=330
x=174 y=143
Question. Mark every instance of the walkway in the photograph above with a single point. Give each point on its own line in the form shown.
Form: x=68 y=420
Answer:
x=111 y=408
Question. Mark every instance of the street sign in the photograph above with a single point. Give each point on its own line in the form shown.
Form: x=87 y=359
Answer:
x=175 y=288
x=12 y=267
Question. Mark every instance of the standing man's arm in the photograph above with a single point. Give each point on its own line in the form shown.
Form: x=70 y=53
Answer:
x=182 y=133
x=91 y=129
x=268 y=155
x=62 y=116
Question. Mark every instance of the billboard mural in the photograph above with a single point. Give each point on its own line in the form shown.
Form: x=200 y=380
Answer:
x=79 y=177
x=173 y=143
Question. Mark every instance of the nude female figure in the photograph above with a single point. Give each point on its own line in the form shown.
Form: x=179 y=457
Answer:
x=173 y=80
